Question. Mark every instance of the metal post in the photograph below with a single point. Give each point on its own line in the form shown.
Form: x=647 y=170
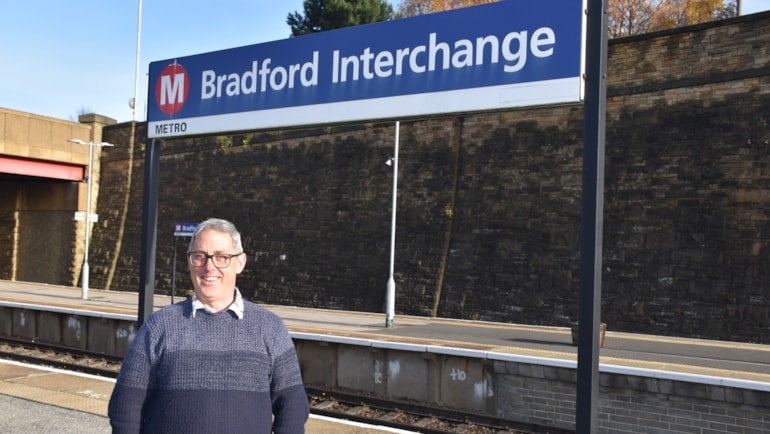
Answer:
x=136 y=73
x=173 y=272
x=149 y=230
x=589 y=315
x=85 y=272
x=390 y=299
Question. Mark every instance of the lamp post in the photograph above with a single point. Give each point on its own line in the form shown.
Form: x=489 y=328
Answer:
x=390 y=296
x=136 y=74
x=84 y=273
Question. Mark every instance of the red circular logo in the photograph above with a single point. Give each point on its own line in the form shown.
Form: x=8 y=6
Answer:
x=172 y=88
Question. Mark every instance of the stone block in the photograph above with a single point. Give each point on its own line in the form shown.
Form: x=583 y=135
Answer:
x=101 y=335
x=75 y=331
x=406 y=375
x=124 y=335
x=24 y=324
x=716 y=393
x=317 y=362
x=360 y=368
x=6 y=322
x=466 y=383
x=49 y=328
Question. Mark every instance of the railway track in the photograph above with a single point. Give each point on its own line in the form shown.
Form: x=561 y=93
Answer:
x=69 y=359
x=327 y=402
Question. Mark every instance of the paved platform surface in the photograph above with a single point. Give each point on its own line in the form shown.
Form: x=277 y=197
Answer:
x=42 y=400
x=721 y=359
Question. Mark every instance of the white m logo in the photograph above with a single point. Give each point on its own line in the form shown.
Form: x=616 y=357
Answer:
x=172 y=89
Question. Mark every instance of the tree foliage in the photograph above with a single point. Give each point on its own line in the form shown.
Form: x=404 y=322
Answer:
x=322 y=15
x=410 y=8
x=626 y=17
x=631 y=17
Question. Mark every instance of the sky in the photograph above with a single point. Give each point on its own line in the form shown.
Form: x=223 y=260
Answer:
x=60 y=59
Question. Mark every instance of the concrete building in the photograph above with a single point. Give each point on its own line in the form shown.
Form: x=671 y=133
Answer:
x=43 y=183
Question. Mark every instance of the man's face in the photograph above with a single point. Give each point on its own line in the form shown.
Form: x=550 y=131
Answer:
x=214 y=286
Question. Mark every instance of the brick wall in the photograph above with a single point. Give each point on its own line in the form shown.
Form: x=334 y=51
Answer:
x=51 y=241
x=660 y=403
x=115 y=248
x=8 y=238
x=489 y=204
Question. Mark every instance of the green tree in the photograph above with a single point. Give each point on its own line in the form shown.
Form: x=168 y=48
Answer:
x=322 y=15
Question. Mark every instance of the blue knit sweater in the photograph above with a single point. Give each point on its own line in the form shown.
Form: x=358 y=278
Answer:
x=210 y=373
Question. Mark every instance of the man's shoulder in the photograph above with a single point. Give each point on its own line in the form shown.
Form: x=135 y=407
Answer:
x=259 y=312
x=172 y=311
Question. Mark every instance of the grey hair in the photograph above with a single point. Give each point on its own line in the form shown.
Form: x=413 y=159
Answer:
x=221 y=226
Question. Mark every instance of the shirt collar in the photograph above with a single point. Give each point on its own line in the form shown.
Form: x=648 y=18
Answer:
x=235 y=307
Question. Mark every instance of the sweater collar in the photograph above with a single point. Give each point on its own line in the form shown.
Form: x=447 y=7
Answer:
x=236 y=307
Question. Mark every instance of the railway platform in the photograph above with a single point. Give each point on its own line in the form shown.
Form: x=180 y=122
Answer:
x=694 y=356
x=45 y=400
x=518 y=372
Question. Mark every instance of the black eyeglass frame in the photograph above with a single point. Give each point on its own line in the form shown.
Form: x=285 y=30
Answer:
x=207 y=256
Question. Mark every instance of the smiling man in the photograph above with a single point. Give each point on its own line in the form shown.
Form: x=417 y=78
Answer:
x=212 y=363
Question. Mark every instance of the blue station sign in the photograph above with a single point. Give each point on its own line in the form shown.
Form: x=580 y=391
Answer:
x=184 y=229
x=496 y=56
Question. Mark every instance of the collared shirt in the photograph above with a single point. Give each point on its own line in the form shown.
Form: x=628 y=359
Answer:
x=235 y=307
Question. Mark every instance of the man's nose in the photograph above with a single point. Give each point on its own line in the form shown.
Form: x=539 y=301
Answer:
x=209 y=264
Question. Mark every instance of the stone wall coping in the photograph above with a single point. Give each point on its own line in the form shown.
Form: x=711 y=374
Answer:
x=536 y=360
x=710 y=380
x=66 y=310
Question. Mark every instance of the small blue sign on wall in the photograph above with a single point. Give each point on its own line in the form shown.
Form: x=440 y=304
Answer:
x=184 y=229
x=495 y=56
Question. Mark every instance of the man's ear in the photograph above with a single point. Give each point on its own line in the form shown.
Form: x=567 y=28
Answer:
x=241 y=263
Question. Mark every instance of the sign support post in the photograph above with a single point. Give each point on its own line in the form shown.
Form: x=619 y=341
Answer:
x=173 y=272
x=589 y=313
x=149 y=230
x=180 y=230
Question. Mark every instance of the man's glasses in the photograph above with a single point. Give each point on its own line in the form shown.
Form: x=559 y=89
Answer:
x=220 y=260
